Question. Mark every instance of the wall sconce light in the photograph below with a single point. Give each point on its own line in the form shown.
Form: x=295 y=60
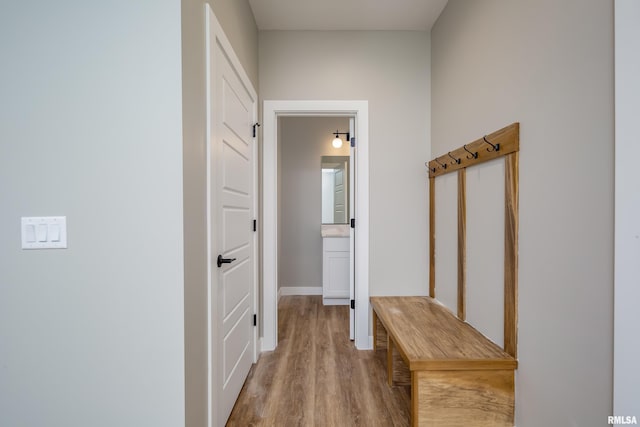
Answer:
x=337 y=141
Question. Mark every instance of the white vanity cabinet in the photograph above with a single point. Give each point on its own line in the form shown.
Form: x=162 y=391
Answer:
x=335 y=270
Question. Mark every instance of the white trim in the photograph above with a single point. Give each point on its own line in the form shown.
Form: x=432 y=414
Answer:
x=271 y=111
x=371 y=341
x=213 y=28
x=299 y=290
x=212 y=395
x=256 y=240
x=626 y=349
x=279 y=294
x=335 y=301
x=352 y=237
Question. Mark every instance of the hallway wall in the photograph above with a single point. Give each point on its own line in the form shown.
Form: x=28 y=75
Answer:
x=548 y=65
x=91 y=117
x=391 y=70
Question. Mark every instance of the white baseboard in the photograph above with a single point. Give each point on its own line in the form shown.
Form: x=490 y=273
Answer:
x=369 y=344
x=335 y=301
x=279 y=294
x=266 y=345
x=300 y=290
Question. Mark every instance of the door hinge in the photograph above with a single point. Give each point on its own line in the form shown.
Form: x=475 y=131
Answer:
x=353 y=141
x=255 y=320
x=353 y=223
x=353 y=304
x=255 y=225
x=256 y=124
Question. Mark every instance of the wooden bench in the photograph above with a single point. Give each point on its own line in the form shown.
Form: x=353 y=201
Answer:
x=458 y=376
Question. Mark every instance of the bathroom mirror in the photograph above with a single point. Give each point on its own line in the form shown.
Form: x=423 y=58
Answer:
x=335 y=189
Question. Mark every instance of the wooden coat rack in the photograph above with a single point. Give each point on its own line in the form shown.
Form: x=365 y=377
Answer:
x=504 y=142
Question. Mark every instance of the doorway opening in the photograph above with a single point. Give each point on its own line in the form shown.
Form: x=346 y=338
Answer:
x=273 y=111
x=314 y=205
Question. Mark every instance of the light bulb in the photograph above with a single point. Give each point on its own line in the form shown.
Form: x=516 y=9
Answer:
x=337 y=142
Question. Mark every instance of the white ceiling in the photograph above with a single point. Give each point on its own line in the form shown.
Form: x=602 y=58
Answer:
x=346 y=14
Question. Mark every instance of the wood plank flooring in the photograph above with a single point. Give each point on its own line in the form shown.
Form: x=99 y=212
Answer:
x=316 y=377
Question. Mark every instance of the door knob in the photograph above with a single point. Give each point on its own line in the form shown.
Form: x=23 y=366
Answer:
x=224 y=260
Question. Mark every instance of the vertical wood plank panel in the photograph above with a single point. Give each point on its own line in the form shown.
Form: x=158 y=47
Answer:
x=462 y=244
x=509 y=140
x=511 y=255
x=432 y=237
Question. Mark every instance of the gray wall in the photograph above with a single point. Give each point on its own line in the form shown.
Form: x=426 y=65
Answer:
x=627 y=250
x=303 y=141
x=237 y=21
x=390 y=70
x=91 y=129
x=548 y=65
x=238 y=24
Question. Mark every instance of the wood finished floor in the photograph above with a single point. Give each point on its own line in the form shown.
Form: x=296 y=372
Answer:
x=316 y=377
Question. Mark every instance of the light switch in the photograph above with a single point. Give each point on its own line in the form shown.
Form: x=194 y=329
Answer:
x=54 y=232
x=47 y=232
x=41 y=232
x=30 y=232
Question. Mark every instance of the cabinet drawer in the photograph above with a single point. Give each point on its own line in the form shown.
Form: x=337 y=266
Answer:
x=336 y=244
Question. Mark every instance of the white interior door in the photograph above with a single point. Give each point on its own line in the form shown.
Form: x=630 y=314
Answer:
x=352 y=235
x=234 y=233
x=232 y=109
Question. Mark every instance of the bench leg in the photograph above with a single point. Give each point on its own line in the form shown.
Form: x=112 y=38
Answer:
x=397 y=369
x=379 y=334
x=390 y=345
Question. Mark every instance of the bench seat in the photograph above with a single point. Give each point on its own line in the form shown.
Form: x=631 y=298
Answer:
x=458 y=376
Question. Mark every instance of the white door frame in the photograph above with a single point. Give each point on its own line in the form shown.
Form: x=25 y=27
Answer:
x=213 y=34
x=626 y=373
x=271 y=111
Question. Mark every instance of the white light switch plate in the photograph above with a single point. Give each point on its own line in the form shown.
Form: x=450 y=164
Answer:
x=44 y=232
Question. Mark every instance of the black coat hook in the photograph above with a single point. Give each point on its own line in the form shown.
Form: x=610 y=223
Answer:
x=473 y=155
x=432 y=170
x=442 y=165
x=455 y=161
x=496 y=147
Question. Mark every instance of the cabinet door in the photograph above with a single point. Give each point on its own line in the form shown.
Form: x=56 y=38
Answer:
x=335 y=268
